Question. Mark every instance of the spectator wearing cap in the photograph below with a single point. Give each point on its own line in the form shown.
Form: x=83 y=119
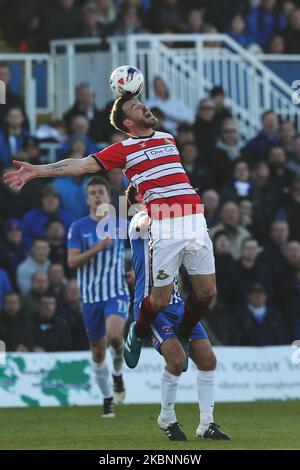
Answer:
x=12 y=135
x=5 y=285
x=258 y=324
x=12 y=251
x=265 y=20
x=244 y=272
x=99 y=127
x=205 y=130
x=217 y=94
x=257 y=149
x=79 y=127
x=50 y=333
x=288 y=288
x=34 y=222
x=173 y=108
x=39 y=286
x=70 y=311
x=240 y=186
x=14 y=326
x=12 y=100
x=37 y=260
x=294 y=163
x=273 y=253
x=290 y=210
x=229 y=223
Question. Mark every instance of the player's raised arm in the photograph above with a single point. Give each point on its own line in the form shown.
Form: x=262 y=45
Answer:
x=69 y=167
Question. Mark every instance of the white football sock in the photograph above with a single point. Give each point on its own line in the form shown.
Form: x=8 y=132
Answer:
x=206 y=395
x=169 y=384
x=102 y=377
x=118 y=359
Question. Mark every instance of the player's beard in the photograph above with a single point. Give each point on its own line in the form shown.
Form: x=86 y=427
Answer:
x=149 y=123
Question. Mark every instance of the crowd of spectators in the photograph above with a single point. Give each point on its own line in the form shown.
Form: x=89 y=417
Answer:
x=251 y=194
x=251 y=190
x=265 y=25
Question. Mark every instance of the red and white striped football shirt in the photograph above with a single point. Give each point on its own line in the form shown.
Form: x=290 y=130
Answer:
x=153 y=164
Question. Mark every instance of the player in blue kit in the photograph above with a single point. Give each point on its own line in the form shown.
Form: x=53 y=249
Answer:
x=165 y=340
x=104 y=292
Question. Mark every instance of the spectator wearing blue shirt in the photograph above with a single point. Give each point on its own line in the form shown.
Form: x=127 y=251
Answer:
x=5 y=286
x=34 y=222
x=238 y=32
x=79 y=130
x=257 y=149
x=12 y=135
x=76 y=205
x=264 y=21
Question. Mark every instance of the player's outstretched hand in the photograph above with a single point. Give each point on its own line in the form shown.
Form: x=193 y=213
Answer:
x=16 y=179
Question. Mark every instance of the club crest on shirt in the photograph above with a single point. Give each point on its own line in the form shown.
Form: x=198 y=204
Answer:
x=162 y=275
x=167 y=330
x=143 y=144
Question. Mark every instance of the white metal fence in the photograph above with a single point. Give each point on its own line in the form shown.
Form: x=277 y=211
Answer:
x=29 y=82
x=191 y=65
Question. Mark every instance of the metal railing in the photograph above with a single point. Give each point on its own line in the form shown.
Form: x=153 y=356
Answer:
x=191 y=66
x=29 y=90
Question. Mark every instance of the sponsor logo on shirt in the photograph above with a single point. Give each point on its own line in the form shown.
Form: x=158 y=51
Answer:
x=158 y=152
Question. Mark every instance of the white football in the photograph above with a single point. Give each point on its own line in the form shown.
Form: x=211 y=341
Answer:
x=126 y=79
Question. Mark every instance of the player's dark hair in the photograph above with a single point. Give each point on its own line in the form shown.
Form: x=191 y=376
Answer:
x=130 y=194
x=97 y=179
x=117 y=114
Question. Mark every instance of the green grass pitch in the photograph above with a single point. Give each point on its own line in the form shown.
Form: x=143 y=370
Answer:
x=258 y=425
